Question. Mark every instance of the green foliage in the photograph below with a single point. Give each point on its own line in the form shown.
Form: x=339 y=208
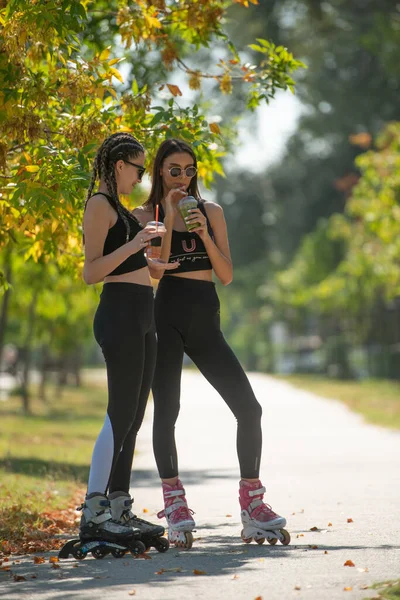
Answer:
x=368 y=229
x=62 y=92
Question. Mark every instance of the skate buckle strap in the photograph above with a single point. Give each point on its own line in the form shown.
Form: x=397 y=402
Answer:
x=174 y=506
x=257 y=492
x=173 y=493
x=101 y=517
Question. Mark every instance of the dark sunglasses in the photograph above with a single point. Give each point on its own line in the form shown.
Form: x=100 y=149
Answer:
x=141 y=170
x=177 y=171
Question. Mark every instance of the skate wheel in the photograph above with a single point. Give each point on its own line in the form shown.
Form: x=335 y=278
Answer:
x=99 y=553
x=79 y=553
x=272 y=541
x=118 y=552
x=138 y=548
x=244 y=539
x=286 y=537
x=162 y=544
x=260 y=541
x=189 y=539
x=187 y=544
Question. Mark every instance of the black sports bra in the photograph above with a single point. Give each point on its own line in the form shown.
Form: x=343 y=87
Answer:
x=189 y=248
x=116 y=237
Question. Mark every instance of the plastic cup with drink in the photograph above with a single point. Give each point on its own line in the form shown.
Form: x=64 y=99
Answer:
x=184 y=206
x=153 y=250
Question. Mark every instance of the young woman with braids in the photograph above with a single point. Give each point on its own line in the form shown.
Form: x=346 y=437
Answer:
x=124 y=328
x=187 y=320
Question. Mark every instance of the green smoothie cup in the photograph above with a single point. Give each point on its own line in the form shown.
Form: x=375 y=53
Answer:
x=184 y=205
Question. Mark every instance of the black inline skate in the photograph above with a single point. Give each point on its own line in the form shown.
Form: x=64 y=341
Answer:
x=150 y=534
x=100 y=534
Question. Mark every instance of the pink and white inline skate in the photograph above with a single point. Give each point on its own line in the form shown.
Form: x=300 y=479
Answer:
x=178 y=515
x=259 y=521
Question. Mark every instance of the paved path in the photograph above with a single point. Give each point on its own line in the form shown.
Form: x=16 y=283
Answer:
x=321 y=465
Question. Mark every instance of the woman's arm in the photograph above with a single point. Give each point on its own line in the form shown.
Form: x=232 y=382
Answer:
x=96 y=223
x=217 y=250
x=157 y=267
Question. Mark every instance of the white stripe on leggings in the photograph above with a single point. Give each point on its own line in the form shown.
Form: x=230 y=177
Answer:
x=102 y=457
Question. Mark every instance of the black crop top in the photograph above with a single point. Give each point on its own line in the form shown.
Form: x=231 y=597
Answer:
x=188 y=248
x=116 y=237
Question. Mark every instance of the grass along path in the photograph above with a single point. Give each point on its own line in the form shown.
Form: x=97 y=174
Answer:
x=377 y=400
x=44 y=465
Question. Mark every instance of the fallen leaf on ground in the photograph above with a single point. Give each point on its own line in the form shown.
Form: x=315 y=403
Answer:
x=297 y=587
x=326 y=552
x=314 y=529
x=132 y=593
x=300 y=535
x=347 y=589
x=258 y=598
x=33 y=576
x=350 y=521
x=329 y=524
x=349 y=563
x=228 y=515
x=235 y=577
x=38 y=560
x=145 y=510
x=199 y=572
x=55 y=565
x=364 y=587
x=19 y=578
x=160 y=572
x=53 y=559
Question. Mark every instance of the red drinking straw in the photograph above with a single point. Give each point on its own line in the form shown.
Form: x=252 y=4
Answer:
x=157 y=217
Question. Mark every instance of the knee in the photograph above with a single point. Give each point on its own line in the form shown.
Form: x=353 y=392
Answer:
x=252 y=413
x=165 y=415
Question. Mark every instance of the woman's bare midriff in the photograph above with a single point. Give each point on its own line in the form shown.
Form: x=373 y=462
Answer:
x=199 y=275
x=140 y=277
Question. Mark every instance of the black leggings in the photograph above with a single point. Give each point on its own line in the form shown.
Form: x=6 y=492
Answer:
x=188 y=320
x=124 y=328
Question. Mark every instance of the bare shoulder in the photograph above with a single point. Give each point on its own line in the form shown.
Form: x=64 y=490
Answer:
x=98 y=204
x=213 y=209
x=143 y=214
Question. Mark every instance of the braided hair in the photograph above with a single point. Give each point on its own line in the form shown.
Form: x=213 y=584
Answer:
x=118 y=146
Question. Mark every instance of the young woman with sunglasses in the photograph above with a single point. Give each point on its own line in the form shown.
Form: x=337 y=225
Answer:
x=124 y=329
x=187 y=320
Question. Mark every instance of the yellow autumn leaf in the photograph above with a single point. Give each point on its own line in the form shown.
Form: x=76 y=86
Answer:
x=214 y=128
x=32 y=168
x=174 y=89
x=114 y=61
x=116 y=74
x=153 y=22
x=105 y=53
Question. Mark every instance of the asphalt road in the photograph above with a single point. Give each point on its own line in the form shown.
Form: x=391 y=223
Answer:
x=323 y=468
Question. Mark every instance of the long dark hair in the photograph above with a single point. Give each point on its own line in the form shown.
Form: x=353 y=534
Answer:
x=118 y=146
x=167 y=148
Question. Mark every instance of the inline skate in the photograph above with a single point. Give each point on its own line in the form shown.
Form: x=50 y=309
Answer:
x=151 y=535
x=178 y=515
x=259 y=521
x=100 y=534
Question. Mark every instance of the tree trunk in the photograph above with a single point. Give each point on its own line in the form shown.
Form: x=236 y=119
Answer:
x=5 y=301
x=27 y=354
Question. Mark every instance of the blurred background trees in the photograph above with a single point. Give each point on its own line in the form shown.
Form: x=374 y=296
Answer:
x=313 y=229
x=326 y=295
